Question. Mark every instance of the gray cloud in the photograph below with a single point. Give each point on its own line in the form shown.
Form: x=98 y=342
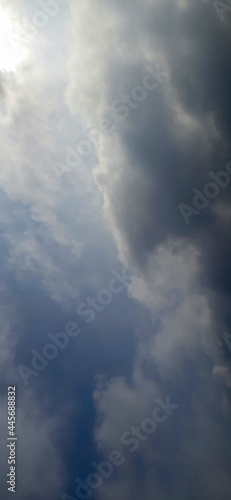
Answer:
x=160 y=152
x=164 y=149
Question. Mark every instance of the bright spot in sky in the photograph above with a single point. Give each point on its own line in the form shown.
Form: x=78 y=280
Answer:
x=11 y=53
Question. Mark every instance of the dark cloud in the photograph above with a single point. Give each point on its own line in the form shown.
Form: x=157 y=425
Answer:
x=161 y=152
x=176 y=137
x=57 y=251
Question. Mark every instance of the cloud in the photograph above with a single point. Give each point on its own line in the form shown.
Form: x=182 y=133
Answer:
x=36 y=450
x=58 y=218
x=158 y=154
x=223 y=372
x=164 y=149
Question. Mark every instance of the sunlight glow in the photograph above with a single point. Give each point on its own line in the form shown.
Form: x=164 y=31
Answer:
x=11 y=54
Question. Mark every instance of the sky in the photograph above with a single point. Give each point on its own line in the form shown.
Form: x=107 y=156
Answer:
x=115 y=181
